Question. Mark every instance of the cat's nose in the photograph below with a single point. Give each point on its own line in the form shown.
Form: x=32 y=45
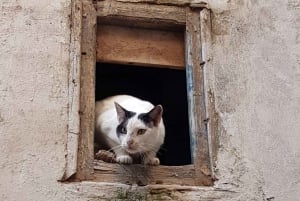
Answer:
x=130 y=143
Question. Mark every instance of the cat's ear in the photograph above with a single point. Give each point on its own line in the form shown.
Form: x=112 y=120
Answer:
x=121 y=112
x=156 y=114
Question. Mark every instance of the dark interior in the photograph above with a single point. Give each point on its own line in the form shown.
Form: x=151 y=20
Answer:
x=159 y=86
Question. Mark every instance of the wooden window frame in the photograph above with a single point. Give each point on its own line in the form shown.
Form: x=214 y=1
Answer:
x=80 y=163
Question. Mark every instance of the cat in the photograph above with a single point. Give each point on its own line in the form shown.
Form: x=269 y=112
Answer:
x=130 y=127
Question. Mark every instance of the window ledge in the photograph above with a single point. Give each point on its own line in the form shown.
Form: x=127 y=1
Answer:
x=145 y=174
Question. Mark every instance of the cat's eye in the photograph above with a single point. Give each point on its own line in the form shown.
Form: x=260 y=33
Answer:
x=141 y=131
x=123 y=130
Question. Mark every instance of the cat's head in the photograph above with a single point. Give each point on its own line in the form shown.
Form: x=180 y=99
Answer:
x=138 y=131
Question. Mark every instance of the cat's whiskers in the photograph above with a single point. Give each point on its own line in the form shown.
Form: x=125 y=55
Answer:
x=153 y=147
x=152 y=150
x=150 y=146
x=118 y=147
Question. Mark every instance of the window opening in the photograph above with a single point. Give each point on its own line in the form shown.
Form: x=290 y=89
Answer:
x=159 y=86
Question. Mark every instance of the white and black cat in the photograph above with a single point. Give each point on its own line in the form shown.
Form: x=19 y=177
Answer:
x=130 y=127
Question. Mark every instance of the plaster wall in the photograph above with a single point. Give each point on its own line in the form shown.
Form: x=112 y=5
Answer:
x=34 y=57
x=255 y=79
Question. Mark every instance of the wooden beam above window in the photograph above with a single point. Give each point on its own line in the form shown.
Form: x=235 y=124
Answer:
x=141 y=11
x=138 y=46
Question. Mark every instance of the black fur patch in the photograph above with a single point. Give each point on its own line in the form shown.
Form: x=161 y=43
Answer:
x=123 y=124
x=145 y=117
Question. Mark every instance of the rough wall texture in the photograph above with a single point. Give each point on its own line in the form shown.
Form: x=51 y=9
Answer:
x=257 y=78
x=34 y=45
x=256 y=74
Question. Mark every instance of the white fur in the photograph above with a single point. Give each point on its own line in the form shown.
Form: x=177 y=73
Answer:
x=146 y=144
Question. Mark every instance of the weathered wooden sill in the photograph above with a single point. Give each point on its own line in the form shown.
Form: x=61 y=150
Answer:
x=144 y=174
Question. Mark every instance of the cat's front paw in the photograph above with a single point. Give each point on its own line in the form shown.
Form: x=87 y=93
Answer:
x=151 y=161
x=125 y=159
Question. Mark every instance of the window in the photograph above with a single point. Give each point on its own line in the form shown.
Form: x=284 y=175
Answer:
x=193 y=21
